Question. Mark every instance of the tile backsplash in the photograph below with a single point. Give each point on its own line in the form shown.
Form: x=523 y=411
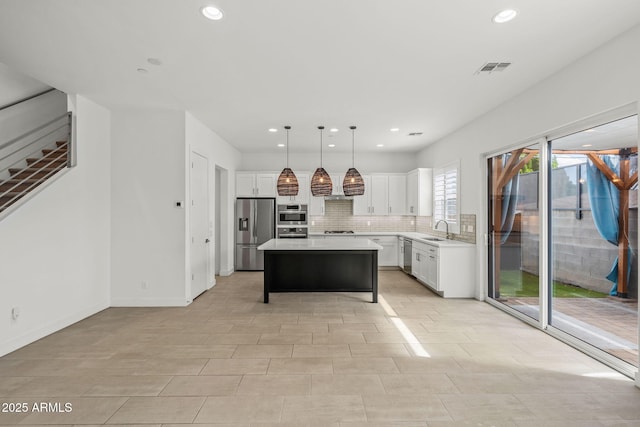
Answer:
x=424 y=224
x=338 y=215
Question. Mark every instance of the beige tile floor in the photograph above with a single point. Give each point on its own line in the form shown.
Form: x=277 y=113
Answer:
x=321 y=359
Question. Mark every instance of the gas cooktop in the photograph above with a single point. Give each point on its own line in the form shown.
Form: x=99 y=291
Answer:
x=338 y=232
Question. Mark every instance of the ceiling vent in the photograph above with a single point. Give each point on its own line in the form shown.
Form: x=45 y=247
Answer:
x=415 y=134
x=491 y=67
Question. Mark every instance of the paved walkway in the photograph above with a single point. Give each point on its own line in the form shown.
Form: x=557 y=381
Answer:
x=607 y=323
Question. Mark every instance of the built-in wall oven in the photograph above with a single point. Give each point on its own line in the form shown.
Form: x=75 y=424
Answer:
x=292 y=215
x=293 y=232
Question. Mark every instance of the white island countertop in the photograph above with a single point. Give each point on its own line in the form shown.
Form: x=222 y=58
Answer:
x=312 y=244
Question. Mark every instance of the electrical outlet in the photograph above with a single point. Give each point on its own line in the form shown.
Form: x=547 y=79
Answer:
x=413 y=222
x=470 y=228
x=368 y=223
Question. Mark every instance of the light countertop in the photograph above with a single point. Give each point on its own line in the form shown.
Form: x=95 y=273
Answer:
x=314 y=244
x=419 y=237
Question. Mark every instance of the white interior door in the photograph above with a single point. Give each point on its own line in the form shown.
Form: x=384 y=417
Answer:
x=199 y=217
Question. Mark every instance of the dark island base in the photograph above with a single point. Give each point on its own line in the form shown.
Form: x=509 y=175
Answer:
x=321 y=271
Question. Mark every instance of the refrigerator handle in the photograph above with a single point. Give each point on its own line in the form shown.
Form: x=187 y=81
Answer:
x=255 y=220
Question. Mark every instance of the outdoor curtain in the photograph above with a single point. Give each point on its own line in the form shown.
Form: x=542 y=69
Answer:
x=509 y=201
x=604 y=198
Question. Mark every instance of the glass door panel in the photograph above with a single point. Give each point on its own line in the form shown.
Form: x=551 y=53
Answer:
x=514 y=230
x=594 y=236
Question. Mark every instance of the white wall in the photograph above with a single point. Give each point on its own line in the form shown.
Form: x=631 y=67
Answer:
x=220 y=154
x=148 y=170
x=332 y=162
x=58 y=242
x=16 y=86
x=605 y=79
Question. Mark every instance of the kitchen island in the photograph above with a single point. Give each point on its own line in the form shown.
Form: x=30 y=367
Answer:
x=320 y=265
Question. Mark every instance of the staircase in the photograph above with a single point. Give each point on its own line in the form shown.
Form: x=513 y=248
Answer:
x=38 y=170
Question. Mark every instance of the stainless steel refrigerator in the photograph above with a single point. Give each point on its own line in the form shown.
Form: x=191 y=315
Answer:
x=255 y=224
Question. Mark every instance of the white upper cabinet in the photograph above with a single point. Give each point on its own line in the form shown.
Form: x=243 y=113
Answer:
x=419 y=192
x=252 y=184
x=316 y=205
x=397 y=194
x=362 y=204
x=379 y=195
x=375 y=200
x=303 y=191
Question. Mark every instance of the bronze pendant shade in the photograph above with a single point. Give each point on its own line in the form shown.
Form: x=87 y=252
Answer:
x=321 y=184
x=353 y=184
x=287 y=181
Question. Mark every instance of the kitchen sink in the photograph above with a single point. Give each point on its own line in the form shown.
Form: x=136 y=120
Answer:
x=433 y=239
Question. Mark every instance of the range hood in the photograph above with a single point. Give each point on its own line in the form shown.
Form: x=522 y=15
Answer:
x=338 y=197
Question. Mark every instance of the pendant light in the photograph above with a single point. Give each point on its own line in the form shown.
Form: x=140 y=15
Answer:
x=321 y=184
x=287 y=181
x=353 y=184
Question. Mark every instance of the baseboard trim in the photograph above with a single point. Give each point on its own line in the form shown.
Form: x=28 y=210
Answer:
x=41 y=332
x=149 y=302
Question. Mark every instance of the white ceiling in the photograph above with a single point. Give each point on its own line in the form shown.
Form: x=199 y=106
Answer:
x=375 y=64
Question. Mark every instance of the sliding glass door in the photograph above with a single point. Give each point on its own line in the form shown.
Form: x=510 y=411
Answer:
x=594 y=237
x=514 y=230
x=563 y=236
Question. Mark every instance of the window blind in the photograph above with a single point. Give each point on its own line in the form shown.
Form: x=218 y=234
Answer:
x=445 y=195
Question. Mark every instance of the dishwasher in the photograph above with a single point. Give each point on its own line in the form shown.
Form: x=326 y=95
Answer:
x=408 y=255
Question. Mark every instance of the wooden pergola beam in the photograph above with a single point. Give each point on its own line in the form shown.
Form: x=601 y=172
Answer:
x=606 y=170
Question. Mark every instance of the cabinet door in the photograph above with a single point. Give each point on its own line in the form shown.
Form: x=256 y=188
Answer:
x=316 y=205
x=362 y=204
x=412 y=193
x=397 y=194
x=400 y=260
x=415 y=263
x=431 y=275
x=266 y=184
x=303 y=192
x=388 y=256
x=245 y=184
x=379 y=195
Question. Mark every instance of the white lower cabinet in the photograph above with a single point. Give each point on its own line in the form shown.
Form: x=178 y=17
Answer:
x=419 y=261
x=388 y=256
x=447 y=270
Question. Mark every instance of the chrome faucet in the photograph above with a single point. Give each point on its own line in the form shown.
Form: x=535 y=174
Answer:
x=445 y=223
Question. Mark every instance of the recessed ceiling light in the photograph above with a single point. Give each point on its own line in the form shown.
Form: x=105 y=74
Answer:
x=331 y=145
x=587 y=145
x=280 y=145
x=394 y=129
x=273 y=130
x=333 y=130
x=380 y=145
x=590 y=130
x=212 y=12
x=143 y=70
x=505 y=16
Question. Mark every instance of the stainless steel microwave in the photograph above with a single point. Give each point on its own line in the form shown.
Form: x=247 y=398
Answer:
x=292 y=215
